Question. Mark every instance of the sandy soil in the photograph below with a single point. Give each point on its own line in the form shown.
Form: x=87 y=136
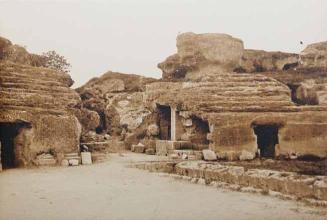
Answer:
x=112 y=191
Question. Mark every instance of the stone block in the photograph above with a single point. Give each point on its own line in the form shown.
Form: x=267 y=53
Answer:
x=46 y=162
x=209 y=155
x=161 y=148
x=73 y=162
x=320 y=189
x=86 y=158
x=173 y=156
x=185 y=145
x=138 y=148
x=64 y=163
x=246 y=155
x=187 y=122
x=150 y=151
x=198 y=155
x=200 y=146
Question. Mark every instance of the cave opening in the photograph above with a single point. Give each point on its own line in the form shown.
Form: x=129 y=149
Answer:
x=8 y=133
x=267 y=138
x=102 y=126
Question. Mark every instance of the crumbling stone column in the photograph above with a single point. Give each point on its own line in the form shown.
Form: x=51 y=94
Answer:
x=173 y=124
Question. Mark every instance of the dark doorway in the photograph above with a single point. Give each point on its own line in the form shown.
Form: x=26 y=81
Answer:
x=164 y=113
x=267 y=138
x=200 y=132
x=8 y=133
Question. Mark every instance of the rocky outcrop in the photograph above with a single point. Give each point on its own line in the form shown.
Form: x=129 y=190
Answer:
x=195 y=51
x=36 y=107
x=18 y=54
x=262 y=61
x=117 y=99
x=315 y=55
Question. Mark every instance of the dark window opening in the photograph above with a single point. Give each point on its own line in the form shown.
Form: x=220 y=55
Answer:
x=290 y=66
x=164 y=113
x=8 y=133
x=201 y=131
x=267 y=138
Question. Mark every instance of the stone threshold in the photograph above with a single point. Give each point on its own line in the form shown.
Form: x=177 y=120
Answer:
x=311 y=190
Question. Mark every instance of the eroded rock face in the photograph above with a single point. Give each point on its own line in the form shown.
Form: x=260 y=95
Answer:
x=36 y=107
x=261 y=61
x=117 y=99
x=18 y=54
x=194 y=51
x=315 y=55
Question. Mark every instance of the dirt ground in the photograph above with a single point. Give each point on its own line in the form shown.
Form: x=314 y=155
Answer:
x=112 y=191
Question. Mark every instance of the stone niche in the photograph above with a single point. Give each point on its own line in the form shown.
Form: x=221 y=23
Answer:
x=181 y=130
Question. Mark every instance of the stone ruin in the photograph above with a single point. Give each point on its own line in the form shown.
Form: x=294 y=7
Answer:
x=212 y=79
x=37 y=125
x=214 y=95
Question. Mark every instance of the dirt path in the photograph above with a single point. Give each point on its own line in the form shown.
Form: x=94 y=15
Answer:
x=111 y=191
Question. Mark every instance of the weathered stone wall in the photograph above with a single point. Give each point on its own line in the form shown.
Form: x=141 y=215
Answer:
x=299 y=133
x=42 y=99
x=48 y=134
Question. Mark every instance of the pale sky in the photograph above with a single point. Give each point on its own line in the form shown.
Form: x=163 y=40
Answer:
x=133 y=36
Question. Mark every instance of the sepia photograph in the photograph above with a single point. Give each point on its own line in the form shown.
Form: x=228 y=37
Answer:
x=163 y=109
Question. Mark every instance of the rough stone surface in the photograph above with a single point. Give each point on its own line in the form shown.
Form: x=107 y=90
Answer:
x=209 y=155
x=194 y=50
x=139 y=148
x=40 y=102
x=18 y=54
x=300 y=186
x=245 y=155
x=118 y=100
x=153 y=130
x=315 y=55
x=230 y=105
x=261 y=61
x=150 y=151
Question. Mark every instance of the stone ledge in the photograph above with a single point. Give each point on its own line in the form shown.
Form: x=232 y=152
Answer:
x=286 y=185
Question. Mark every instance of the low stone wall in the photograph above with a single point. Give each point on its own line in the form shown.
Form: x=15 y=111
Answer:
x=111 y=146
x=313 y=188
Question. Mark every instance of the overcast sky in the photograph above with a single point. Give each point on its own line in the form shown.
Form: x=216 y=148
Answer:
x=133 y=36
